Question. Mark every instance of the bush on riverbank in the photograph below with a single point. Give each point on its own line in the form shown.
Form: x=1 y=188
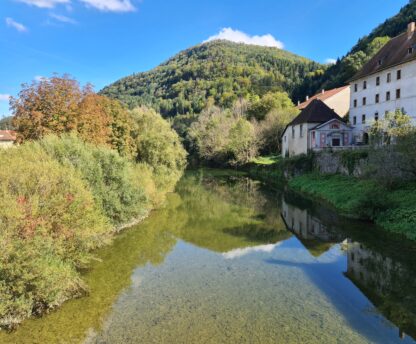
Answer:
x=61 y=198
x=114 y=181
x=49 y=223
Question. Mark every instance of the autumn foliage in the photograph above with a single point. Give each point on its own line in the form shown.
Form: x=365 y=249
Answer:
x=60 y=105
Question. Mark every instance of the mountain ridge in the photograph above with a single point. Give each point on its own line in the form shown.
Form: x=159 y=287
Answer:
x=217 y=72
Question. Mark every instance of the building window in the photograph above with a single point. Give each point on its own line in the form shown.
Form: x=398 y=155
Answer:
x=293 y=132
x=301 y=130
x=364 y=101
x=285 y=138
x=386 y=112
x=399 y=74
x=365 y=85
x=398 y=93
x=355 y=87
x=380 y=62
x=388 y=77
x=354 y=120
x=376 y=116
x=363 y=119
x=387 y=96
x=377 y=98
x=378 y=81
x=355 y=102
x=410 y=50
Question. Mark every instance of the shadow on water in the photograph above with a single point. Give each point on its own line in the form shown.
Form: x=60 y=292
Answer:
x=381 y=266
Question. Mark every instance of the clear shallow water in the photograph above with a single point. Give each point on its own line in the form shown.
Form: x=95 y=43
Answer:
x=227 y=261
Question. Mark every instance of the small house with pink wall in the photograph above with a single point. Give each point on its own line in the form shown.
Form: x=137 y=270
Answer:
x=316 y=128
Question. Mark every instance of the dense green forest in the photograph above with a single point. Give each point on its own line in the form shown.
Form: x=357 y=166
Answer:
x=214 y=73
x=220 y=72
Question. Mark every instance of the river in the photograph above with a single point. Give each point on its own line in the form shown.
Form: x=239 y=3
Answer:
x=227 y=260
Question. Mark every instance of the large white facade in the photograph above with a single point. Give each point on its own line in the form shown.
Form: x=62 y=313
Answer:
x=373 y=101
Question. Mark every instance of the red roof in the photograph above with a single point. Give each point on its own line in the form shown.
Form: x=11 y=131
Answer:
x=7 y=135
x=322 y=96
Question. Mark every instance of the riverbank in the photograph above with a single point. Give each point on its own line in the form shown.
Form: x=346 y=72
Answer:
x=61 y=199
x=393 y=209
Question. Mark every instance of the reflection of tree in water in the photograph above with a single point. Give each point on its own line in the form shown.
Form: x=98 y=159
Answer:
x=226 y=213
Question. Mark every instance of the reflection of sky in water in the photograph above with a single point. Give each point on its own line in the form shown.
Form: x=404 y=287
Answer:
x=241 y=252
x=261 y=294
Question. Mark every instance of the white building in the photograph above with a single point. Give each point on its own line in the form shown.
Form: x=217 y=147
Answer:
x=338 y=99
x=385 y=84
x=317 y=127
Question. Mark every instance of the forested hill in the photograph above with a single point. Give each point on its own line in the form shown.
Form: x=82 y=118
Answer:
x=338 y=74
x=217 y=72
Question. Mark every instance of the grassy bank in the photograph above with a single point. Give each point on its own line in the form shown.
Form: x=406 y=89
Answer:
x=60 y=199
x=394 y=210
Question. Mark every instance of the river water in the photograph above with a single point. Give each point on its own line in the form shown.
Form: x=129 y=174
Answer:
x=227 y=260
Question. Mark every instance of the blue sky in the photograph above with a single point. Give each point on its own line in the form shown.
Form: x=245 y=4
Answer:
x=100 y=41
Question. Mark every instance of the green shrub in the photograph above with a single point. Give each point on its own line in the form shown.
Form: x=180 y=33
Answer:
x=159 y=146
x=113 y=180
x=49 y=223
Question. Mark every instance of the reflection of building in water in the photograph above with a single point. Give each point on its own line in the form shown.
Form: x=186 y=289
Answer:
x=388 y=285
x=315 y=235
x=369 y=268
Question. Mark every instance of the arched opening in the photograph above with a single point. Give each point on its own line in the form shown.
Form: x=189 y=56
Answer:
x=366 y=139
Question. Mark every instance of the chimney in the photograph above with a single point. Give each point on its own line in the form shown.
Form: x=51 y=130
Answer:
x=323 y=91
x=298 y=102
x=411 y=28
x=307 y=98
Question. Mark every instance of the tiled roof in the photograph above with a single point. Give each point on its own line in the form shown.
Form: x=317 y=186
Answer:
x=316 y=112
x=7 y=135
x=394 y=53
x=322 y=96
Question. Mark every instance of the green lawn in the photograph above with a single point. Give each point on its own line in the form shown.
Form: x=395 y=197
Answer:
x=266 y=160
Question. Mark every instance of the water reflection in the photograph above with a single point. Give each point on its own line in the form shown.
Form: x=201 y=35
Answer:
x=228 y=261
x=317 y=236
x=389 y=283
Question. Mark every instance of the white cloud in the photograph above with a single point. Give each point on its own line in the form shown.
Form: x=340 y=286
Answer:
x=330 y=61
x=40 y=78
x=14 y=24
x=111 y=5
x=45 y=3
x=62 y=19
x=237 y=36
x=4 y=97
